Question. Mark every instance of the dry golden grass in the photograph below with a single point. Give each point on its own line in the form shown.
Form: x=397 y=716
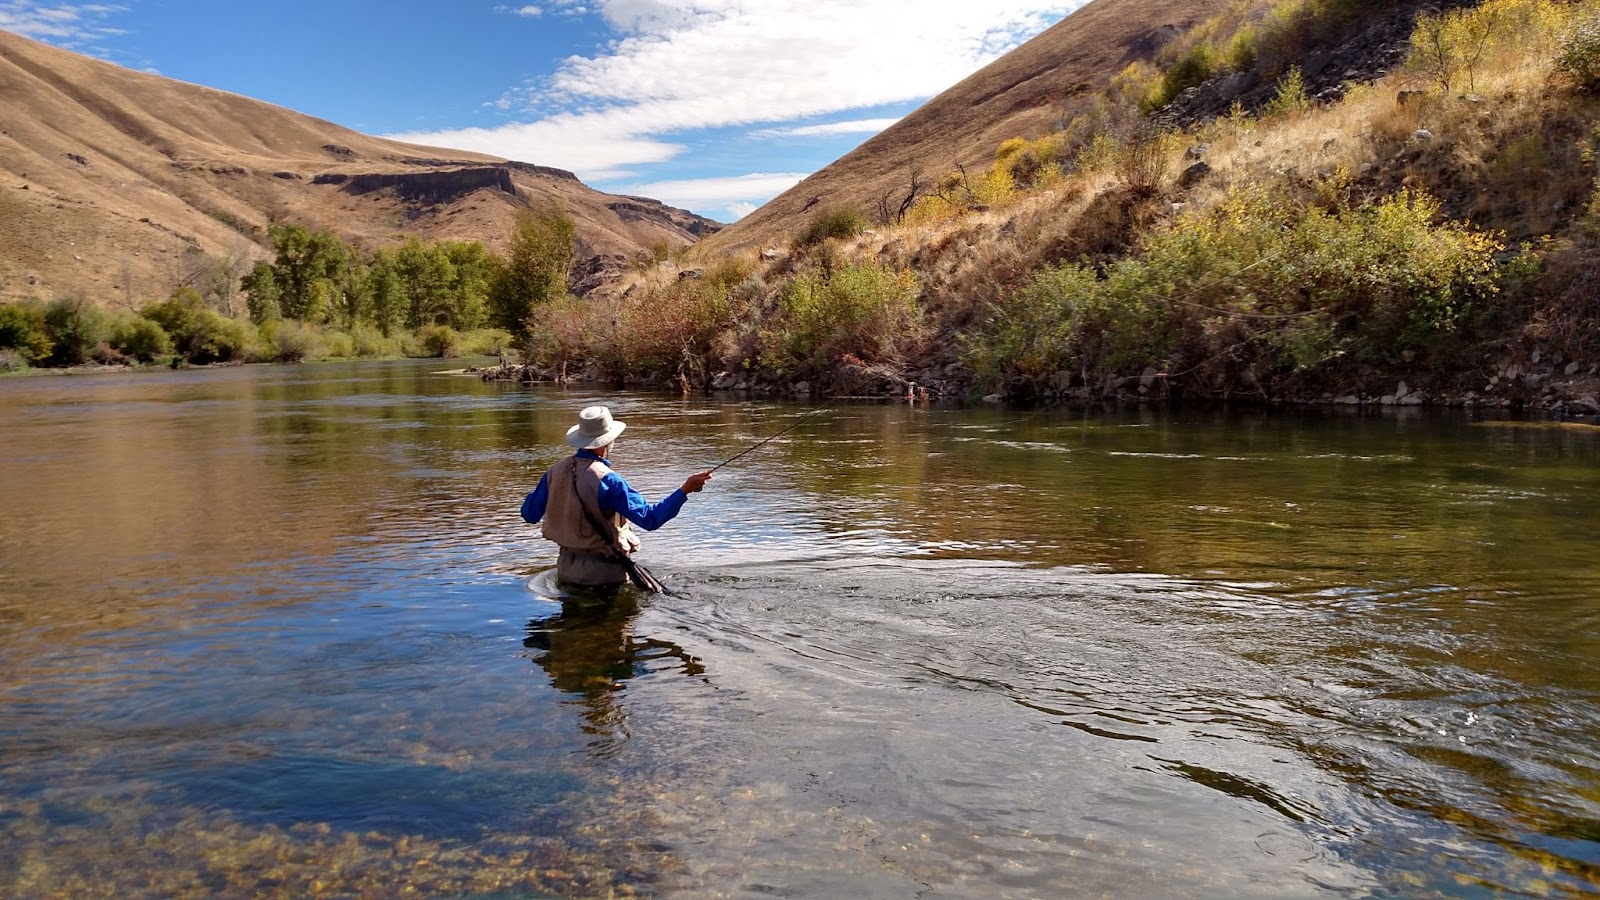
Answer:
x=1516 y=159
x=1508 y=159
x=1025 y=93
x=113 y=182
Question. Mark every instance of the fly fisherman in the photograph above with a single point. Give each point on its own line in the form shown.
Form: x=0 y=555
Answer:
x=586 y=507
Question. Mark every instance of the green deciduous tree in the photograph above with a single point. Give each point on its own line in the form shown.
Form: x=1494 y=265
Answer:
x=76 y=328
x=536 y=272
x=476 y=270
x=389 y=304
x=318 y=279
x=199 y=334
x=348 y=298
x=427 y=280
x=262 y=293
x=140 y=338
x=22 y=329
x=304 y=280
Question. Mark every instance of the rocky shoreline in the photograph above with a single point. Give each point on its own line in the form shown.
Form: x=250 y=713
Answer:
x=844 y=381
x=1535 y=384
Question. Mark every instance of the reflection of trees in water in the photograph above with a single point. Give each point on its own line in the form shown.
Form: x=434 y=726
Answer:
x=1204 y=490
x=589 y=650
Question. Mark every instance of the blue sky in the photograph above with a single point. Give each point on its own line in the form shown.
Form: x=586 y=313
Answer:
x=711 y=105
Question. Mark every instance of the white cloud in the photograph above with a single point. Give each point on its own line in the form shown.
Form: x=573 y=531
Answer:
x=570 y=8
x=524 y=11
x=683 y=65
x=596 y=148
x=827 y=129
x=65 y=24
x=738 y=211
x=731 y=193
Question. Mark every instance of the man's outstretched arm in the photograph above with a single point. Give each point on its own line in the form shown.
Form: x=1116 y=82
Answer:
x=616 y=495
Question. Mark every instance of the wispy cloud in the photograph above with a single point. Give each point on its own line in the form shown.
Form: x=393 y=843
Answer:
x=525 y=11
x=74 y=25
x=826 y=129
x=680 y=66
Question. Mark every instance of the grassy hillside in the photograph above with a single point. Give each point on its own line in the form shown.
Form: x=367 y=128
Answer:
x=1428 y=235
x=118 y=185
x=1348 y=201
x=1026 y=92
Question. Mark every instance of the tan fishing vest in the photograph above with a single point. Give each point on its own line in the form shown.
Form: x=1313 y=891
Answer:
x=564 y=521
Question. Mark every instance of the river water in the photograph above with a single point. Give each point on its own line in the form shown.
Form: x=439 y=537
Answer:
x=279 y=631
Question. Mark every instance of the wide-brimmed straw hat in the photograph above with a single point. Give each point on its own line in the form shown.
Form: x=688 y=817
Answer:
x=595 y=429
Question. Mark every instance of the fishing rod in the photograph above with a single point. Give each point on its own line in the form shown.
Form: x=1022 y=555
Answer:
x=792 y=426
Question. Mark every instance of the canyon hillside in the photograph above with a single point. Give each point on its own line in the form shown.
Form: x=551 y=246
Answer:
x=113 y=182
x=1027 y=92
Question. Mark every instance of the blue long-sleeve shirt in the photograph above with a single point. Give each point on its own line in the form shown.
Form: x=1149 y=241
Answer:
x=615 y=497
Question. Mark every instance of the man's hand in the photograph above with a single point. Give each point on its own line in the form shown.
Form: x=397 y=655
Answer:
x=696 y=482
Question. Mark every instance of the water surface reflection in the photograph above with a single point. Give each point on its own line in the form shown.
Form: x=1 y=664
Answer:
x=268 y=631
x=588 y=649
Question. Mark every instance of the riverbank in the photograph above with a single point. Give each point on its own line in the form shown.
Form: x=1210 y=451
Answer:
x=177 y=363
x=1534 y=385
x=1529 y=385
x=1384 y=243
x=856 y=380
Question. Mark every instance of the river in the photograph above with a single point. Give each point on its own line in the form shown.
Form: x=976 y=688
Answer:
x=278 y=631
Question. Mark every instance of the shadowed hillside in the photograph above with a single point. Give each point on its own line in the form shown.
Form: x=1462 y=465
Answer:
x=114 y=182
x=1026 y=92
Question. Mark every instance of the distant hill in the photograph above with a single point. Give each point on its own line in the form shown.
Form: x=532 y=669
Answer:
x=114 y=182
x=1024 y=93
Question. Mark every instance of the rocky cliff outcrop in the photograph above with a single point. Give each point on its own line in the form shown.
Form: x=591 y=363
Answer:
x=645 y=209
x=595 y=271
x=425 y=187
x=546 y=171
